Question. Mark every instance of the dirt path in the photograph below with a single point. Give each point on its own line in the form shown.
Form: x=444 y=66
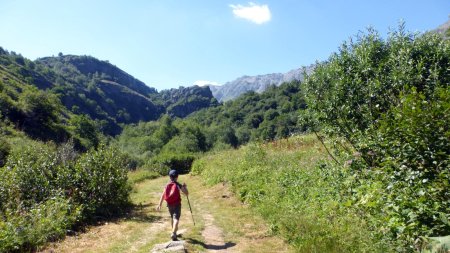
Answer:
x=222 y=224
x=213 y=235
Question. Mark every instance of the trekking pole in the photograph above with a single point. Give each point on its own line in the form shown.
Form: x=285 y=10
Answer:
x=189 y=203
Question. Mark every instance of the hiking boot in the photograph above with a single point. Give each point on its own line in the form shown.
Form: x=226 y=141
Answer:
x=173 y=236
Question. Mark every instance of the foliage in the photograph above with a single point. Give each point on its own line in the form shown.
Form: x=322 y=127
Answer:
x=26 y=229
x=254 y=117
x=5 y=148
x=167 y=161
x=389 y=100
x=148 y=143
x=185 y=100
x=85 y=129
x=45 y=190
x=42 y=115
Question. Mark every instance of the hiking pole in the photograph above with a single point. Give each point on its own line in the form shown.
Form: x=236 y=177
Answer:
x=189 y=203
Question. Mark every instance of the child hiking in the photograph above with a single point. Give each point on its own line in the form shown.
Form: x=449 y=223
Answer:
x=172 y=196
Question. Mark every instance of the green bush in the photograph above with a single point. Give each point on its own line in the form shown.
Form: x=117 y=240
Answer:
x=5 y=148
x=167 y=161
x=99 y=182
x=389 y=100
x=46 y=190
x=26 y=229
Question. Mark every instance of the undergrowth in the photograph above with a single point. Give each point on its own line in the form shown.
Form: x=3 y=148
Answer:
x=47 y=190
x=294 y=186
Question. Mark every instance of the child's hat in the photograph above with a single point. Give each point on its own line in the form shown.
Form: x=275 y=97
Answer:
x=173 y=173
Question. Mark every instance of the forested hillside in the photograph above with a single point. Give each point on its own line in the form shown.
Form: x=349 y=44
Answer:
x=87 y=86
x=252 y=117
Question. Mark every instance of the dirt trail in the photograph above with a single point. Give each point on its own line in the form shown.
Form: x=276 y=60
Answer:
x=213 y=235
x=223 y=224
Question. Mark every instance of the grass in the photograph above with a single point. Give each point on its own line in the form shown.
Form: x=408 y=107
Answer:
x=283 y=182
x=141 y=175
x=242 y=230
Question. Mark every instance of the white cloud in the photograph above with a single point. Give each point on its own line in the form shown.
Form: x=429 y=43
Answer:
x=204 y=83
x=258 y=14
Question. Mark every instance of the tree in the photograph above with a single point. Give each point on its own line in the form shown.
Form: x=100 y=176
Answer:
x=42 y=111
x=166 y=129
x=85 y=128
x=390 y=100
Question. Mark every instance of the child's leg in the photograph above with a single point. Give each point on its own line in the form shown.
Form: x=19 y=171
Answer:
x=175 y=222
x=175 y=213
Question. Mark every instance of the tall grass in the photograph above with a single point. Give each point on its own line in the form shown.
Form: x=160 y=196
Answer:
x=287 y=184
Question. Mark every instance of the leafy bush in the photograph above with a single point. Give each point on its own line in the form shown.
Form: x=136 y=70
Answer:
x=44 y=191
x=389 y=101
x=26 y=229
x=99 y=182
x=167 y=161
x=4 y=151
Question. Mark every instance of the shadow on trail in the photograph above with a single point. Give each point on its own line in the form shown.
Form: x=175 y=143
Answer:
x=140 y=213
x=211 y=246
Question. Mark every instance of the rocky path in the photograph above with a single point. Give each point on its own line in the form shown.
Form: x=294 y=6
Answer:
x=222 y=224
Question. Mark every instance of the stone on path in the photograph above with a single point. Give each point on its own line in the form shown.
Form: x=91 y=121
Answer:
x=172 y=246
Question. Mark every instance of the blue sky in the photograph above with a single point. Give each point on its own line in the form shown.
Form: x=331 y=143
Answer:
x=169 y=43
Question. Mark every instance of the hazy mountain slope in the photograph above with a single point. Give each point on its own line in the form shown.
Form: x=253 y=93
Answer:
x=444 y=29
x=260 y=83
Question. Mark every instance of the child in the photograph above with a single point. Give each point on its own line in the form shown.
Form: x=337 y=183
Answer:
x=171 y=195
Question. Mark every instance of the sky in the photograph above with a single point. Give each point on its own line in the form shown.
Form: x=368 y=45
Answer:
x=172 y=43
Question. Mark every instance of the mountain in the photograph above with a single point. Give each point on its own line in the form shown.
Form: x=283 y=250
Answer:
x=88 y=86
x=101 y=90
x=185 y=100
x=444 y=29
x=260 y=83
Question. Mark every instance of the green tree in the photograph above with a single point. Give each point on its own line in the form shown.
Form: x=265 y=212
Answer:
x=42 y=113
x=389 y=99
x=166 y=129
x=85 y=128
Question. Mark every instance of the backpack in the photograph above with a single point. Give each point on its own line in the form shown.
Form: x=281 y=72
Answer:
x=172 y=193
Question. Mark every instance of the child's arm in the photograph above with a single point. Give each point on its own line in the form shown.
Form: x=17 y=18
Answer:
x=158 y=208
x=184 y=189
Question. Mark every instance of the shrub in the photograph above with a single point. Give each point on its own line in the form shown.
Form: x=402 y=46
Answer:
x=166 y=161
x=99 y=182
x=5 y=148
x=389 y=101
x=44 y=191
x=26 y=229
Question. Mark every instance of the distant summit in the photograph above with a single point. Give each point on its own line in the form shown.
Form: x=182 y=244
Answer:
x=259 y=83
x=444 y=29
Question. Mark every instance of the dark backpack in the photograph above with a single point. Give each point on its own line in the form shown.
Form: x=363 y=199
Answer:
x=172 y=193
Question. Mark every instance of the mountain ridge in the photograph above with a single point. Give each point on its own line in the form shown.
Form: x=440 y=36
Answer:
x=258 y=83
x=99 y=89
